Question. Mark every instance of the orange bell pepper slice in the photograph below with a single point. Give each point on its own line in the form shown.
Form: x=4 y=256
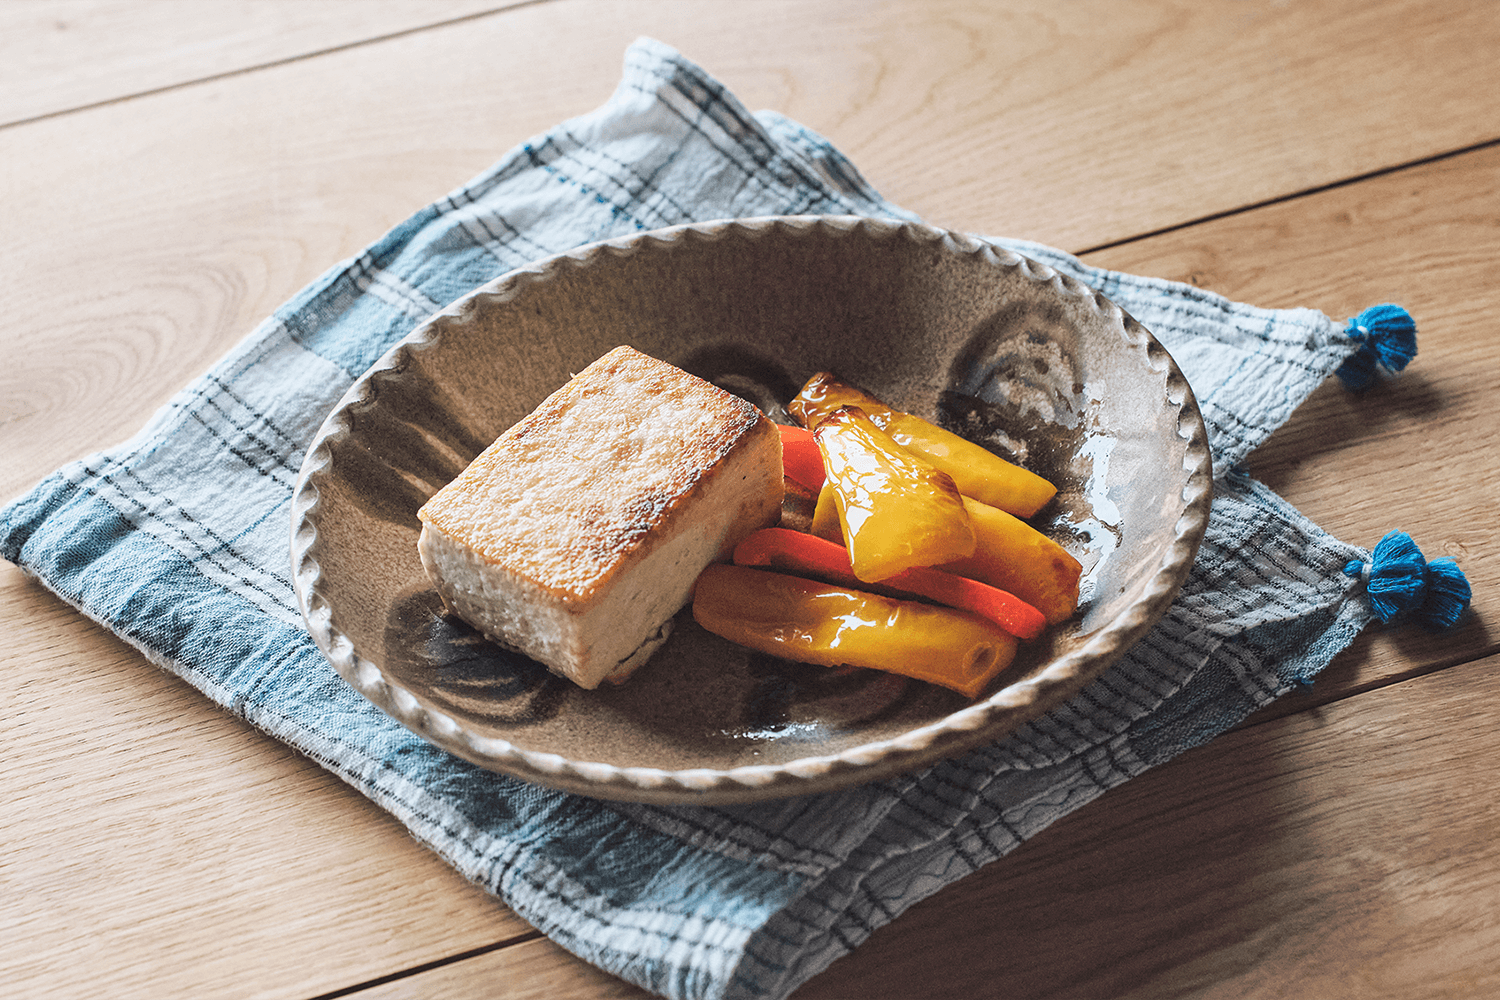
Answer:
x=810 y=622
x=978 y=472
x=806 y=555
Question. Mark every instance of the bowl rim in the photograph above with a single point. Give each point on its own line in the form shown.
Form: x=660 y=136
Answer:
x=993 y=717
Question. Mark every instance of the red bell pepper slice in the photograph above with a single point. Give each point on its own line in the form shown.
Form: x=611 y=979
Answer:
x=795 y=552
x=800 y=457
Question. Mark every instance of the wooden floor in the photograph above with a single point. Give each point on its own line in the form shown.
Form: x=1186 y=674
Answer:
x=171 y=172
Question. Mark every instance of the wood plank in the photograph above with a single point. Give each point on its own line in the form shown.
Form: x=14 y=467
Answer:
x=148 y=236
x=1425 y=238
x=1345 y=853
x=535 y=969
x=58 y=55
x=1080 y=124
x=157 y=846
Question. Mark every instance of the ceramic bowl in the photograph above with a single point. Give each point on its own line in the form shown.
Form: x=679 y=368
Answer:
x=998 y=347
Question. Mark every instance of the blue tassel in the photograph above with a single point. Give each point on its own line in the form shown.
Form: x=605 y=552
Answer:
x=1448 y=594
x=1358 y=370
x=1403 y=584
x=1387 y=337
x=1398 y=577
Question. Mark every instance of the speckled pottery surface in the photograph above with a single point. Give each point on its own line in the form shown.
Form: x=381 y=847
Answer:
x=997 y=347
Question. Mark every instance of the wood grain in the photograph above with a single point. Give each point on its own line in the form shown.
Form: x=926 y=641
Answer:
x=531 y=970
x=147 y=236
x=60 y=55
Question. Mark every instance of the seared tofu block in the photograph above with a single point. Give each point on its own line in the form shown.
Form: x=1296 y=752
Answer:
x=578 y=534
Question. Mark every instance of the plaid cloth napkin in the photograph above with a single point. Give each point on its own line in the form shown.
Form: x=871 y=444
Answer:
x=177 y=541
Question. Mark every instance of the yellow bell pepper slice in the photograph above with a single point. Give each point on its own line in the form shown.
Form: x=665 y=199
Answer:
x=978 y=472
x=797 y=619
x=825 y=517
x=1009 y=554
x=1013 y=556
x=896 y=511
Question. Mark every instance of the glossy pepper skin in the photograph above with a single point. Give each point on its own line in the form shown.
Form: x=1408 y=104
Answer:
x=806 y=555
x=797 y=619
x=800 y=458
x=976 y=471
x=1015 y=557
x=896 y=511
x=825 y=516
x=1009 y=554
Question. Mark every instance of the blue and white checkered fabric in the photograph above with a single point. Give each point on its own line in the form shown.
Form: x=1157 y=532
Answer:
x=177 y=541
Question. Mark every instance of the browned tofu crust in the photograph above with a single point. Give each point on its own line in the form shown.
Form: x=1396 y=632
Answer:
x=596 y=474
